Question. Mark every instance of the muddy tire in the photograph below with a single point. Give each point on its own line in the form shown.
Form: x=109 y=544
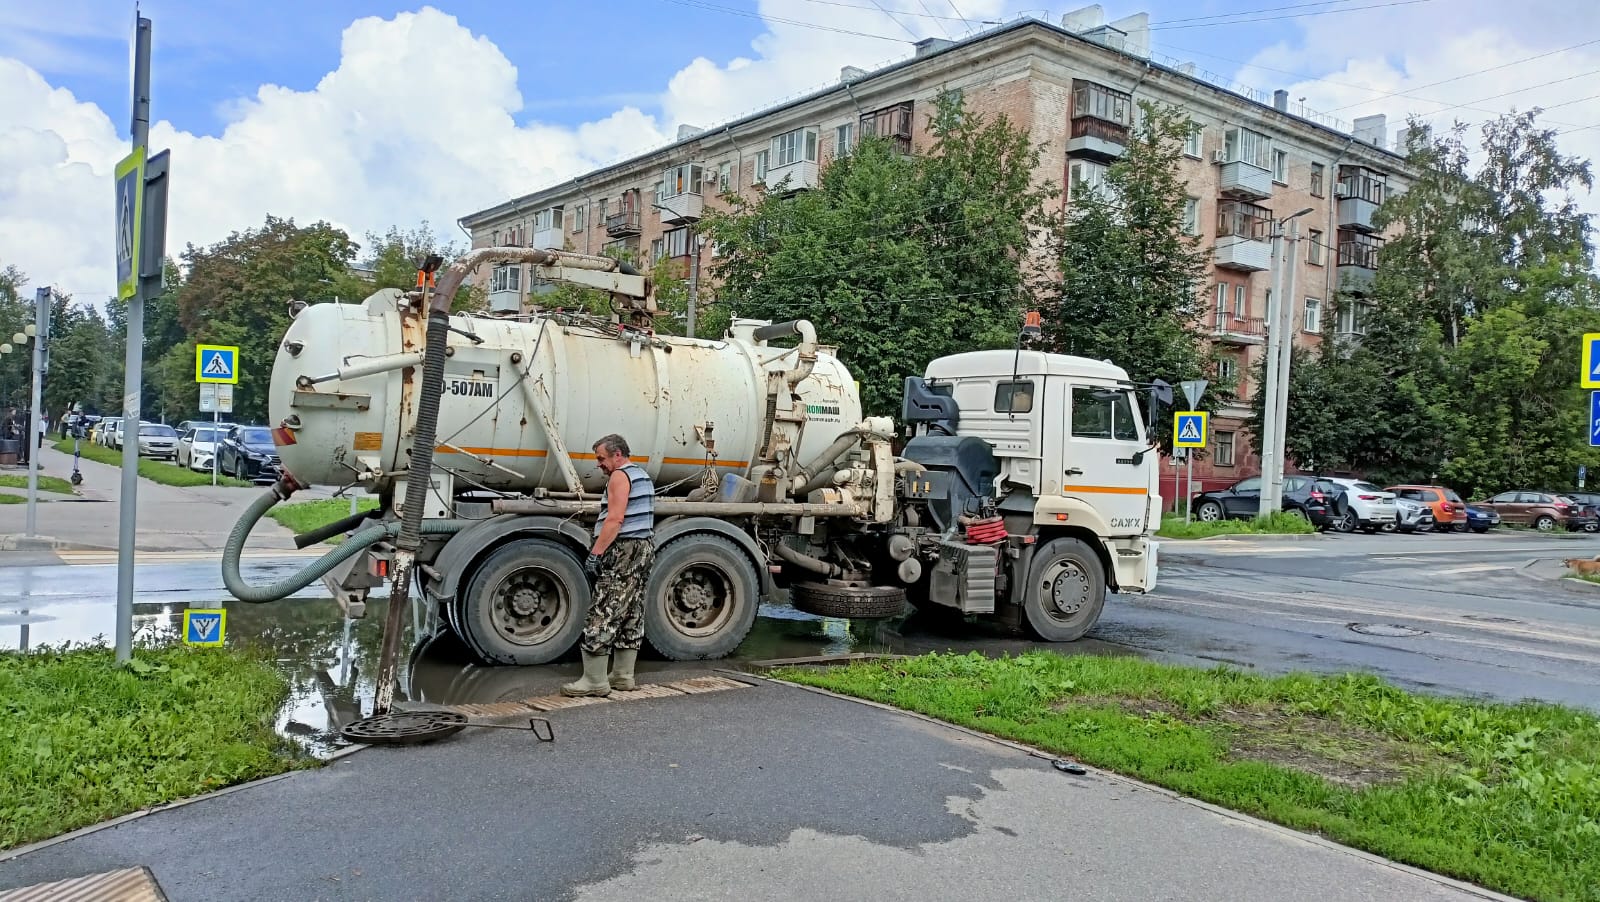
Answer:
x=702 y=598
x=869 y=603
x=1066 y=591
x=525 y=604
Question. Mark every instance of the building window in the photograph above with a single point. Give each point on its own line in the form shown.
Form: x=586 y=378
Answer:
x=761 y=167
x=1087 y=175
x=1241 y=300
x=580 y=218
x=506 y=278
x=601 y=207
x=679 y=180
x=1359 y=249
x=1313 y=321
x=1352 y=319
x=1013 y=397
x=547 y=219
x=1222 y=303
x=724 y=176
x=1100 y=102
x=1280 y=166
x=1241 y=145
x=1196 y=136
x=1314 y=248
x=891 y=122
x=1191 y=216
x=1357 y=181
x=844 y=139
x=1224 y=449
x=676 y=243
x=655 y=194
x=1227 y=370
x=794 y=147
x=657 y=248
x=1236 y=219
x=1318 y=173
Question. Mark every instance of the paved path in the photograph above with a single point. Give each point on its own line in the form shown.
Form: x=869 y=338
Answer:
x=769 y=792
x=170 y=518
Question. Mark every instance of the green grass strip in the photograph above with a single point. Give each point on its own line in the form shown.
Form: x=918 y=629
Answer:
x=1281 y=523
x=83 y=740
x=46 y=483
x=304 y=516
x=1505 y=796
x=164 y=472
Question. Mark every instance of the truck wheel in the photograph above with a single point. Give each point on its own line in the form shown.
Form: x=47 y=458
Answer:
x=869 y=603
x=526 y=604
x=702 y=598
x=1066 y=591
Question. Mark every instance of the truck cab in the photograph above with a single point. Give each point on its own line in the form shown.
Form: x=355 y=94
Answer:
x=1073 y=469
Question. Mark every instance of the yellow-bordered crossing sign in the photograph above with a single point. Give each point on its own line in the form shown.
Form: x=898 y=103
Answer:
x=216 y=363
x=1190 y=428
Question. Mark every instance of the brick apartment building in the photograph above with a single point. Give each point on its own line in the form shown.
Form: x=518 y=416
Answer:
x=1075 y=88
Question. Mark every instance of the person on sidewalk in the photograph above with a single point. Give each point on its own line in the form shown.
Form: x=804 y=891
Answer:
x=619 y=563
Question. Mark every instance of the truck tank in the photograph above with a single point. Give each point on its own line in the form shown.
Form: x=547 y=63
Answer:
x=520 y=394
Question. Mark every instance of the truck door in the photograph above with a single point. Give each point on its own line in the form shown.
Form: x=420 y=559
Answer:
x=1103 y=437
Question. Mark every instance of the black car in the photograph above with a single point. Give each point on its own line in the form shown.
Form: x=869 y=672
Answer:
x=1587 y=515
x=1308 y=496
x=247 y=452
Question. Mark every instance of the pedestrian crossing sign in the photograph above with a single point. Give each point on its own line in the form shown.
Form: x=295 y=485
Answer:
x=1190 y=428
x=1591 y=360
x=204 y=627
x=216 y=363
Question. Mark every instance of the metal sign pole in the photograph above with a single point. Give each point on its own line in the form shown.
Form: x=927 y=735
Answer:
x=1188 y=489
x=41 y=325
x=127 y=526
x=216 y=446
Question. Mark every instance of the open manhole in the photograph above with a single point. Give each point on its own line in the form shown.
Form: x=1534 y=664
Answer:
x=1392 y=630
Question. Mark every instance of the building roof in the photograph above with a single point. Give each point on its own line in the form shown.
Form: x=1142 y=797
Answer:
x=935 y=49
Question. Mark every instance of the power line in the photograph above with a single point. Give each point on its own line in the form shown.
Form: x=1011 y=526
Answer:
x=938 y=19
x=696 y=4
x=1251 y=12
x=959 y=13
x=922 y=15
x=903 y=26
x=1518 y=62
x=1325 y=12
x=1543 y=84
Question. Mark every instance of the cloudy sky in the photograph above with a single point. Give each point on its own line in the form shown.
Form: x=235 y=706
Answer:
x=368 y=114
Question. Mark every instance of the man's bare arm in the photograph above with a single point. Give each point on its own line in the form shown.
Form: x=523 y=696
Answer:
x=617 y=490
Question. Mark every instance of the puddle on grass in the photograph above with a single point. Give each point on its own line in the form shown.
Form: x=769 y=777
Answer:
x=331 y=661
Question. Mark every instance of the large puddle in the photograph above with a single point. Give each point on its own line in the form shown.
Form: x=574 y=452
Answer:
x=331 y=661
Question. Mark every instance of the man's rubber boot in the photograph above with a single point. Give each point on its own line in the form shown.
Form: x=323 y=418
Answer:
x=593 y=682
x=622 y=669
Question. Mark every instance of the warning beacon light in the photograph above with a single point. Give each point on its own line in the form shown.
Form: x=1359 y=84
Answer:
x=1032 y=324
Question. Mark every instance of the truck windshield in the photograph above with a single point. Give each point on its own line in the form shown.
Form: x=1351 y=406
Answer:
x=1103 y=413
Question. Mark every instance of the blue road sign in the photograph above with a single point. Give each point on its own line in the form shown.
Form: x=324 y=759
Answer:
x=1190 y=428
x=1594 y=418
x=204 y=627
x=216 y=363
x=1591 y=360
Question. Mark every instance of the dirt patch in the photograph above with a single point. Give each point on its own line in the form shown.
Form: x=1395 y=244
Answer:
x=1344 y=754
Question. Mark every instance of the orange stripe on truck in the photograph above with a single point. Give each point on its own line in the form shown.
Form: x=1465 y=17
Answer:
x=1105 y=489
x=540 y=452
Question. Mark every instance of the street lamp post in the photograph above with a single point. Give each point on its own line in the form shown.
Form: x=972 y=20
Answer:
x=1280 y=349
x=694 y=274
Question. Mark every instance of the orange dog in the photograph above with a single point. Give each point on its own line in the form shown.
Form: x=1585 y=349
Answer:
x=1583 y=566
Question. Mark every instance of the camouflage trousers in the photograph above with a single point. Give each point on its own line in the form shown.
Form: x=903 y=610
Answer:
x=616 y=616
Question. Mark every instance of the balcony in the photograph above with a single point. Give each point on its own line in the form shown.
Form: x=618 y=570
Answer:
x=1096 y=139
x=1243 y=237
x=1228 y=329
x=681 y=208
x=1245 y=181
x=504 y=301
x=622 y=224
x=549 y=238
x=1361 y=192
x=1358 y=261
x=801 y=176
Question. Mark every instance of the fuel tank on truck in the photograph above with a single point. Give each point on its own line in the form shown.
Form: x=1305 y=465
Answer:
x=658 y=392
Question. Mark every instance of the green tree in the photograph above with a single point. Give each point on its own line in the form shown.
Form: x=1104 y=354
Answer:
x=897 y=259
x=391 y=261
x=1121 y=280
x=15 y=312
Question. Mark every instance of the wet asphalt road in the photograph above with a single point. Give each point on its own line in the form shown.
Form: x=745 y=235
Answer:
x=1472 y=619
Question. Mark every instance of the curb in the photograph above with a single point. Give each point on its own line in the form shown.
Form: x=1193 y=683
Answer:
x=1269 y=537
x=1309 y=838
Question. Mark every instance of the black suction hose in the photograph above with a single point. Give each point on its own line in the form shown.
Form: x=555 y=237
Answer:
x=323 y=533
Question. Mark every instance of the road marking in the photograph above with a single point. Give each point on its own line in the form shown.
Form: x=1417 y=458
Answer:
x=546 y=703
x=103 y=558
x=1475 y=568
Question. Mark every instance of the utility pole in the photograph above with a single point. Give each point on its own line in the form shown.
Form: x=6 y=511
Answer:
x=41 y=334
x=1280 y=347
x=694 y=280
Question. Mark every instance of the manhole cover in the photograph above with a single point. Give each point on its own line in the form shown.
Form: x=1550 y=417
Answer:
x=405 y=728
x=1393 y=630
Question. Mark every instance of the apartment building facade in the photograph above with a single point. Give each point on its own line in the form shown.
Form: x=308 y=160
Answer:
x=1075 y=87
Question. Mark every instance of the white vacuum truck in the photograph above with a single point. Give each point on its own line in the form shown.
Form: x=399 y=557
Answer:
x=1026 y=486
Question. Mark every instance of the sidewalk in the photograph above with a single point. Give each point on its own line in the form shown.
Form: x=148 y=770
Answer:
x=769 y=792
x=170 y=518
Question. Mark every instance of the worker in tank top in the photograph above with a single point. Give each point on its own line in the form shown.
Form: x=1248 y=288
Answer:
x=619 y=563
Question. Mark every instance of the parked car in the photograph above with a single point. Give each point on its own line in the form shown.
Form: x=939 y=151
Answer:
x=1369 y=508
x=247 y=452
x=103 y=430
x=1411 y=516
x=1242 y=500
x=1481 y=519
x=1541 y=510
x=1449 y=511
x=197 y=448
x=158 y=440
x=1582 y=516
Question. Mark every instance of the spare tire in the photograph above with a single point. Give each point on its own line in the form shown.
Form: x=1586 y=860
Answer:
x=868 y=603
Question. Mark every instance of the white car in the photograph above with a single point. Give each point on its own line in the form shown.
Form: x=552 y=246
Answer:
x=197 y=449
x=1369 y=507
